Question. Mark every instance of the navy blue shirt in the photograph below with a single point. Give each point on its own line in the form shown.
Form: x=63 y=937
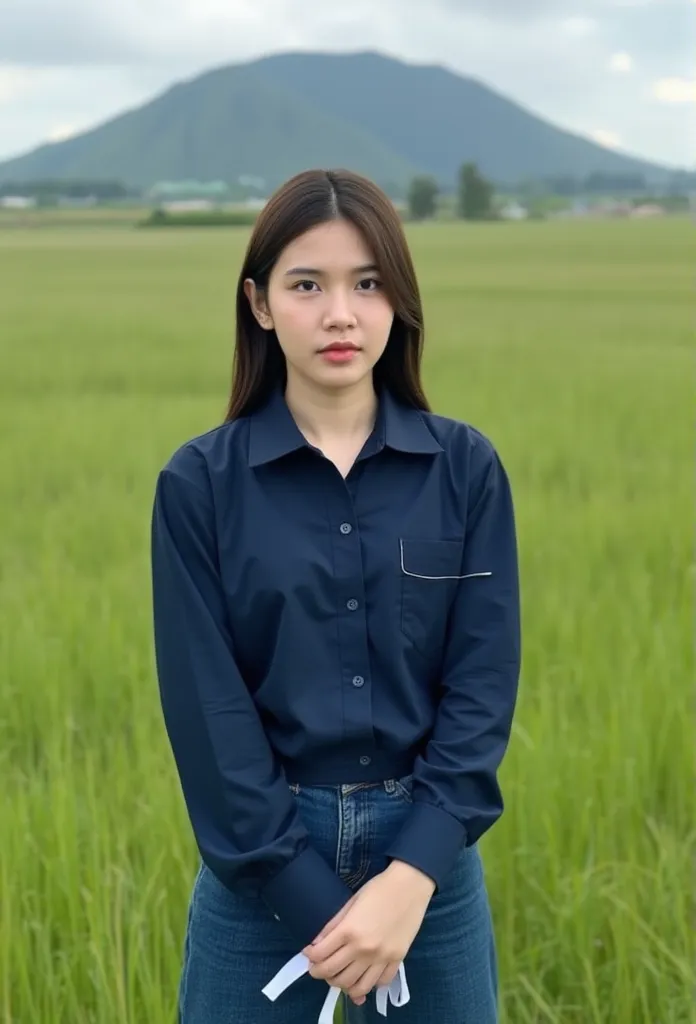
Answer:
x=318 y=630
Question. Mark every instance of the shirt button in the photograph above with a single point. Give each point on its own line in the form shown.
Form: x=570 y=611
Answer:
x=358 y=681
x=365 y=759
x=346 y=528
x=352 y=604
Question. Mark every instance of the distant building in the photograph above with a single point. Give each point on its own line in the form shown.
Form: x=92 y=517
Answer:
x=513 y=211
x=215 y=192
x=252 y=181
x=596 y=208
x=185 y=205
x=17 y=202
x=579 y=208
x=648 y=210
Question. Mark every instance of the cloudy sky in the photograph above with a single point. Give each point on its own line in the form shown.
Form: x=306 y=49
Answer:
x=620 y=71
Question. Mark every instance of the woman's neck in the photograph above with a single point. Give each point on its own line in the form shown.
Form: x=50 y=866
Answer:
x=324 y=415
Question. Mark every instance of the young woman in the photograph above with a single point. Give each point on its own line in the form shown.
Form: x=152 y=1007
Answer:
x=337 y=634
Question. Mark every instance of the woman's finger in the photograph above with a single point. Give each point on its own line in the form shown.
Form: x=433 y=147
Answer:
x=333 y=965
x=350 y=976
x=389 y=973
x=367 y=982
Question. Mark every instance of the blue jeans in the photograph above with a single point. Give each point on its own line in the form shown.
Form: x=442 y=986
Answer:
x=234 y=945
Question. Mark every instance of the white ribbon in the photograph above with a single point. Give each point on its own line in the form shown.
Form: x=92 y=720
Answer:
x=397 y=993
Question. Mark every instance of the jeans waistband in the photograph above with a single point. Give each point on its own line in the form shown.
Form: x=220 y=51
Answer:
x=343 y=769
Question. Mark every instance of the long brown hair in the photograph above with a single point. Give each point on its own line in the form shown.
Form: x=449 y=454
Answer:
x=305 y=201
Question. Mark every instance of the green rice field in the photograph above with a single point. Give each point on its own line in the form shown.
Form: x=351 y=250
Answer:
x=570 y=346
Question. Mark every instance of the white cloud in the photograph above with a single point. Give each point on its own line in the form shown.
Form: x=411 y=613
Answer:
x=579 y=27
x=15 y=81
x=62 y=131
x=675 y=90
x=92 y=61
x=621 y=63
x=606 y=138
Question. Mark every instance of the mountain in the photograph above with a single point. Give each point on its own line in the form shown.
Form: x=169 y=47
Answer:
x=280 y=114
x=437 y=119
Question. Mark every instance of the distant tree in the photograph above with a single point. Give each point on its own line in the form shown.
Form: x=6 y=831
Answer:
x=422 y=197
x=681 y=183
x=563 y=185
x=475 y=194
x=600 y=182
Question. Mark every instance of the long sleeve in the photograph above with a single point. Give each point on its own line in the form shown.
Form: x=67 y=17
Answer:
x=456 y=796
x=242 y=811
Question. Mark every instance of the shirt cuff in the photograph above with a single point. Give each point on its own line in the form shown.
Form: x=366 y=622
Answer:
x=430 y=840
x=305 y=895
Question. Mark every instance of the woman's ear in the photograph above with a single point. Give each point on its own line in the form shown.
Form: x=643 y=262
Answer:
x=259 y=307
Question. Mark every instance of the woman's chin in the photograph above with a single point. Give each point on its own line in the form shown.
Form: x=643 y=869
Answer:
x=340 y=376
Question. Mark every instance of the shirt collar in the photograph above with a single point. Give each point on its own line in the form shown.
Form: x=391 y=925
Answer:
x=273 y=432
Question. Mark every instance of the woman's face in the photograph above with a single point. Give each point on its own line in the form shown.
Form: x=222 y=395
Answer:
x=327 y=306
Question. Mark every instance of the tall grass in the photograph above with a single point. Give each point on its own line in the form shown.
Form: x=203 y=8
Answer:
x=569 y=345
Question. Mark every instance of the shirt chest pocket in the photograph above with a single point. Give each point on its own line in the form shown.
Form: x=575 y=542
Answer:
x=430 y=570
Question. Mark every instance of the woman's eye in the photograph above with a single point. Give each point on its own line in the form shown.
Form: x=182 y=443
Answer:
x=368 y=284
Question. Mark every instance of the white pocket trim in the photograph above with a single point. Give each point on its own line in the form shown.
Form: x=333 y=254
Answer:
x=416 y=575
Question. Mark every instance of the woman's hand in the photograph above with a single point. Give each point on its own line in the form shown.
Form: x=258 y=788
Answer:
x=364 y=944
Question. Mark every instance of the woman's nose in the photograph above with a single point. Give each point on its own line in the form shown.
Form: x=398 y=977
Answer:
x=339 y=312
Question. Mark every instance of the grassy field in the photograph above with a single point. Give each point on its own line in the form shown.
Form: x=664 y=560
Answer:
x=570 y=346
x=71 y=217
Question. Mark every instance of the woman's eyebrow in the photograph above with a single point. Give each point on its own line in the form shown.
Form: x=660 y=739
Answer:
x=314 y=272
